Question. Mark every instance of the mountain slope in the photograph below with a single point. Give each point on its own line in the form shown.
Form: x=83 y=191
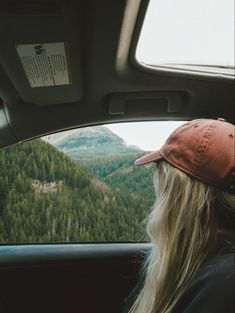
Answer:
x=45 y=196
x=120 y=173
x=106 y=156
x=90 y=142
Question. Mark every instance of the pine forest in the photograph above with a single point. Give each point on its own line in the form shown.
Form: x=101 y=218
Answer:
x=74 y=189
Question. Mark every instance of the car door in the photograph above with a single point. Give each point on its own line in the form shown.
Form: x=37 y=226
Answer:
x=68 y=277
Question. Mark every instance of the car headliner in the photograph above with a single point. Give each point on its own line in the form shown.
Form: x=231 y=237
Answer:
x=108 y=85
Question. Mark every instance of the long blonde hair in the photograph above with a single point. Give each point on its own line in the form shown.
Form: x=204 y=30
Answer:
x=183 y=228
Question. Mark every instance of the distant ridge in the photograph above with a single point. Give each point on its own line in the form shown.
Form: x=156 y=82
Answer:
x=89 y=142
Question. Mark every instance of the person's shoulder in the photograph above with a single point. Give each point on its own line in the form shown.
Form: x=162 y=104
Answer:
x=218 y=269
x=212 y=290
x=217 y=273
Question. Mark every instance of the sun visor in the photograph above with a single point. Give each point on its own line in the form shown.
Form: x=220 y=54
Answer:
x=40 y=50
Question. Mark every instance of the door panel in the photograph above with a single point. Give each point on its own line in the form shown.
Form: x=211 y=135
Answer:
x=81 y=278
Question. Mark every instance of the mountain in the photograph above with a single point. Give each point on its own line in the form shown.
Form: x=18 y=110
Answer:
x=46 y=197
x=106 y=156
x=90 y=142
x=119 y=172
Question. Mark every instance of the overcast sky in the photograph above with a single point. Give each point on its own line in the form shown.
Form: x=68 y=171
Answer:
x=186 y=31
x=148 y=136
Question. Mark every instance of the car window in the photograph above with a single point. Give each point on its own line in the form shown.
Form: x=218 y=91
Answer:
x=79 y=185
x=196 y=36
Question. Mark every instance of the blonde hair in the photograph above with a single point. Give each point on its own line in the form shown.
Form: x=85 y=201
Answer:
x=183 y=228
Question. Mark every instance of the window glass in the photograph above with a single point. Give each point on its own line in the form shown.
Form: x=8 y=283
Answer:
x=79 y=185
x=188 y=34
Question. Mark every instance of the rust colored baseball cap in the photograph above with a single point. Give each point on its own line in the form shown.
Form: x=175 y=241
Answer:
x=203 y=149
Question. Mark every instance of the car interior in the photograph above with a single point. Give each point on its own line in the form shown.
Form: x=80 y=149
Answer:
x=102 y=82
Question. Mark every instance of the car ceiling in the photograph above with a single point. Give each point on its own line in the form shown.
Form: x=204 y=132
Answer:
x=107 y=83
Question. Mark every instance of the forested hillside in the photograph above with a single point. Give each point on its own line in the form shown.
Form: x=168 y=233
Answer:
x=45 y=196
x=107 y=157
x=119 y=172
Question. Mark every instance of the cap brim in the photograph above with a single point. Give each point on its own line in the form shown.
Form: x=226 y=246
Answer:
x=151 y=157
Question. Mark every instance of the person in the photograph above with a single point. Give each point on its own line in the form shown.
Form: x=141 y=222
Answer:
x=190 y=268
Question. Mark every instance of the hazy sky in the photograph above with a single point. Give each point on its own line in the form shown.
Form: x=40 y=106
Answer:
x=148 y=136
x=186 y=31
